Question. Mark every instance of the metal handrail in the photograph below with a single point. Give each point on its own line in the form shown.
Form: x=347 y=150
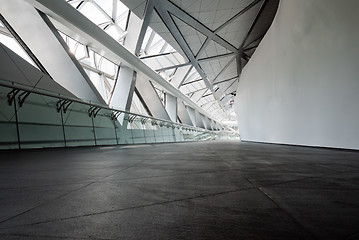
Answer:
x=48 y=93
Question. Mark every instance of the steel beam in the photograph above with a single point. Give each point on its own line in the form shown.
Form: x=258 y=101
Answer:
x=215 y=57
x=194 y=81
x=164 y=8
x=150 y=97
x=124 y=88
x=181 y=75
x=224 y=68
x=183 y=114
x=178 y=12
x=199 y=120
x=171 y=106
x=244 y=10
x=71 y=21
x=133 y=33
x=172 y=67
x=226 y=80
x=146 y=21
x=47 y=45
x=192 y=114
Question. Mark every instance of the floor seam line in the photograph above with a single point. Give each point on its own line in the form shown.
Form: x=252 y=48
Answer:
x=66 y=194
x=287 y=213
x=124 y=169
x=296 y=180
x=46 y=202
x=182 y=174
x=130 y=208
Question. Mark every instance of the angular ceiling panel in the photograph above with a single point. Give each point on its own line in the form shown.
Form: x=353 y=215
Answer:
x=198 y=95
x=163 y=61
x=228 y=87
x=160 y=28
x=193 y=87
x=136 y=6
x=192 y=75
x=225 y=84
x=212 y=13
x=231 y=88
x=229 y=72
x=236 y=31
x=213 y=67
x=194 y=38
x=264 y=21
x=213 y=49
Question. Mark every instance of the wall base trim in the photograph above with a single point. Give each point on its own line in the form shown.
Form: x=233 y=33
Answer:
x=304 y=146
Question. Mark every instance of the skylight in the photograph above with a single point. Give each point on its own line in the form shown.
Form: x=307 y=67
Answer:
x=100 y=70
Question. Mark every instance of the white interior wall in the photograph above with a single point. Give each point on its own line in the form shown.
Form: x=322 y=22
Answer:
x=302 y=84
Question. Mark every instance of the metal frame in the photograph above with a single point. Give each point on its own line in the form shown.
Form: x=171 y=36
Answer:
x=167 y=11
x=64 y=102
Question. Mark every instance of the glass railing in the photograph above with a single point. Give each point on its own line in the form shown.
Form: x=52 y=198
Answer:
x=35 y=118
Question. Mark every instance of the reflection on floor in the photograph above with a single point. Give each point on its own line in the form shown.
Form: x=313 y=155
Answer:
x=203 y=190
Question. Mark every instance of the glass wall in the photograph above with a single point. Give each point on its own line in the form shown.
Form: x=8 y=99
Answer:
x=31 y=119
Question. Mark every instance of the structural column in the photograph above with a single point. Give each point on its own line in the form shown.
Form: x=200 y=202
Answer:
x=171 y=106
x=149 y=95
x=183 y=114
x=192 y=115
x=123 y=91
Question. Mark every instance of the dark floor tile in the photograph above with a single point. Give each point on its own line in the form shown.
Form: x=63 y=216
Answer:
x=241 y=215
x=20 y=200
x=201 y=190
x=330 y=214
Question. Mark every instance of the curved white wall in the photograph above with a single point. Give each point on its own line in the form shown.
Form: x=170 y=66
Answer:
x=302 y=84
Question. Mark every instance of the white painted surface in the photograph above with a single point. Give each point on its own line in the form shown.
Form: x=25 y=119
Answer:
x=171 y=107
x=183 y=113
x=43 y=43
x=192 y=114
x=123 y=91
x=302 y=84
x=151 y=98
x=14 y=69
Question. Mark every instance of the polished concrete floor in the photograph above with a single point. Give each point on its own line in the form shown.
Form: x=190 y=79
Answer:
x=207 y=190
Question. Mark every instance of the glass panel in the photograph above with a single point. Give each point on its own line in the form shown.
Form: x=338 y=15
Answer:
x=8 y=136
x=39 y=130
x=104 y=128
x=93 y=14
x=78 y=126
x=45 y=121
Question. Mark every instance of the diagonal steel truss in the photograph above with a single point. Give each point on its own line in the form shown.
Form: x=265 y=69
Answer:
x=166 y=10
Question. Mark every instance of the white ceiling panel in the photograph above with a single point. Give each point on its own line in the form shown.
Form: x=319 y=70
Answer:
x=212 y=13
x=236 y=31
x=212 y=49
x=194 y=38
x=136 y=6
x=214 y=67
x=229 y=72
x=160 y=28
